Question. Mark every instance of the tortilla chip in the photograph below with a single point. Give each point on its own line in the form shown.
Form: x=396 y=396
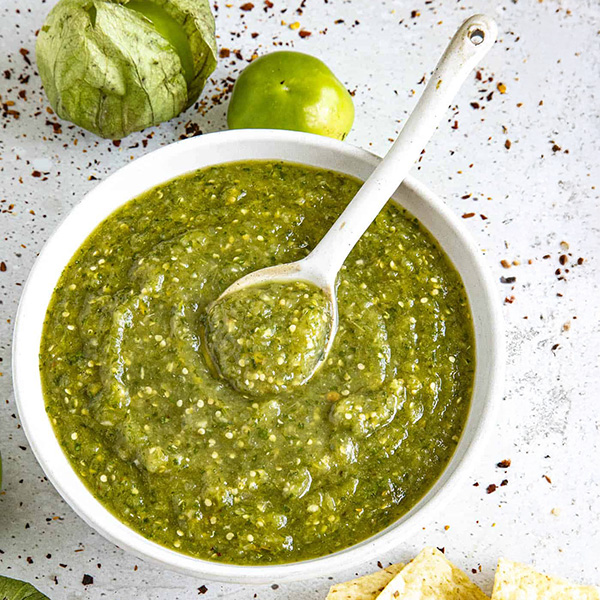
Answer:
x=367 y=587
x=430 y=576
x=515 y=581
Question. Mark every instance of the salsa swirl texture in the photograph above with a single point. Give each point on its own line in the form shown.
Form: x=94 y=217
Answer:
x=175 y=452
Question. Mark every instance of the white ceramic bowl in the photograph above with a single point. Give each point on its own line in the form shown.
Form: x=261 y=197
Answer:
x=182 y=157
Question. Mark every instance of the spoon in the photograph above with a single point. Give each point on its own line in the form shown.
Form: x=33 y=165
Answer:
x=468 y=46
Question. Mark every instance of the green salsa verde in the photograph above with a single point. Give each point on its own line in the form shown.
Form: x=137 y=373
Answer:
x=269 y=338
x=228 y=474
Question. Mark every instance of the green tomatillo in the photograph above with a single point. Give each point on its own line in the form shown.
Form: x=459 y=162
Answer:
x=118 y=66
x=291 y=90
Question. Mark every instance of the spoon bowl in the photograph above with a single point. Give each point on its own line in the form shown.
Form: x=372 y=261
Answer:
x=306 y=269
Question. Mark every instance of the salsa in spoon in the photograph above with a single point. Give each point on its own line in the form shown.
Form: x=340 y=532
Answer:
x=271 y=330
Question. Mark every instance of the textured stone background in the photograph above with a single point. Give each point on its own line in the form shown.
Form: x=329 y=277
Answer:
x=535 y=195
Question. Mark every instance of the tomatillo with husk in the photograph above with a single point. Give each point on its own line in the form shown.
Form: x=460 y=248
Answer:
x=118 y=66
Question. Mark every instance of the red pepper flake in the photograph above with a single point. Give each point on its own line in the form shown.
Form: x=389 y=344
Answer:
x=304 y=34
x=36 y=174
x=414 y=14
x=268 y=4
x=24 y=52
x=504 y=464
x=9 y=112
x=116 y=143
x=202 y=590
x=490 y=489
x=580 y=260
x=563 y=259
x=483 y=217
x=2 y=266
x=475 y=105
x=338 y=21
x=478 y=76
x=247 y=6
x=254 y=35
x=555 y=347
x=547 y=478
x=507 y=144
x=455 y=125
x=505 y=264
x=224 y=52
x=55 y=126
x=468 y=215
x=191 y=130
x=504 y=482
x=555 y=147
x=509 y=300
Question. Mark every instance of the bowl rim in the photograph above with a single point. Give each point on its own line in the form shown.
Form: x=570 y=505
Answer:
x=36 y=423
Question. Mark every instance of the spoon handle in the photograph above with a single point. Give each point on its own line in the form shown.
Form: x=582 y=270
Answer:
x=468 y=46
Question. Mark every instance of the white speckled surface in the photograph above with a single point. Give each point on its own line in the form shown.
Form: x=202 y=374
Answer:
x=533 y=195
